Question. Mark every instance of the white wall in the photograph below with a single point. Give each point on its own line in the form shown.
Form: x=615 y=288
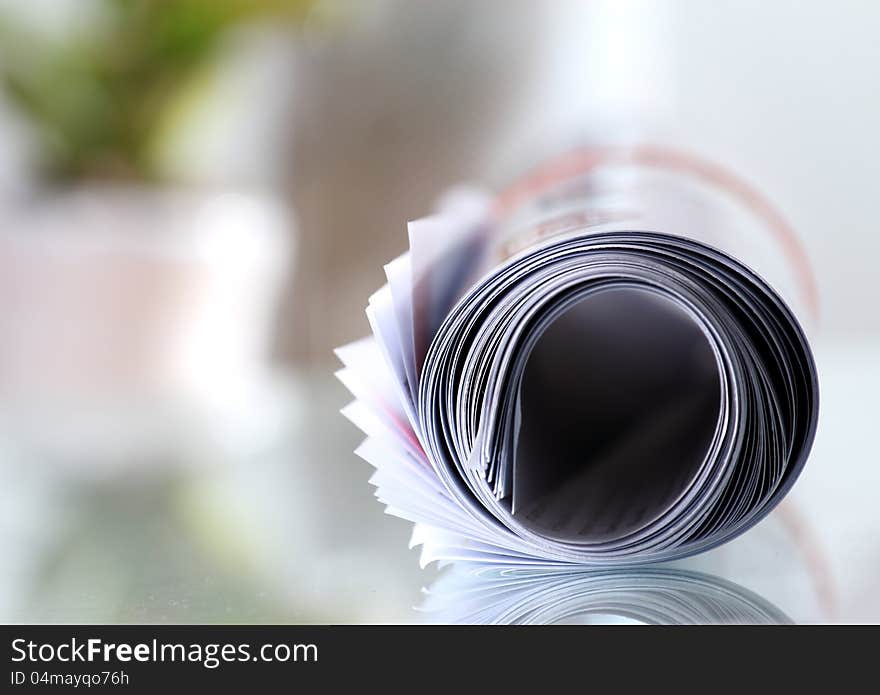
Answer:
x=785 y=93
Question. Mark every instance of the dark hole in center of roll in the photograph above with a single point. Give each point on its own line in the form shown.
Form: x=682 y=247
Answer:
x=619 y=404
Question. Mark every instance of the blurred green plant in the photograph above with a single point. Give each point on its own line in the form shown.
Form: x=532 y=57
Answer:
x=96 y=97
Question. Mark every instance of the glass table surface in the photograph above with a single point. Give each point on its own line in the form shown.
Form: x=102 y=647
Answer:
x=264 y=515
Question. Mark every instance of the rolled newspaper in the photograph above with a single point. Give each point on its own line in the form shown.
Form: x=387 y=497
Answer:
x=582 y=369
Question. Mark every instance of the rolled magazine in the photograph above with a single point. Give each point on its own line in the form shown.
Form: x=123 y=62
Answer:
x=583 y=369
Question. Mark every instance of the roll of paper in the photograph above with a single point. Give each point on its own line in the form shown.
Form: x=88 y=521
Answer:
x=579 y=369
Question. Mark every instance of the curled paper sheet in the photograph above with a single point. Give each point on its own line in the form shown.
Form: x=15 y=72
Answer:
x=542 y=596
x=577 y=376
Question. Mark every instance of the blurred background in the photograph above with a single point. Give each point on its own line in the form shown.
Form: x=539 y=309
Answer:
x=196 y=200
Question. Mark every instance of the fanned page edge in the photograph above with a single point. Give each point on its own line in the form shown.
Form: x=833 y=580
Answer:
x=381 y=372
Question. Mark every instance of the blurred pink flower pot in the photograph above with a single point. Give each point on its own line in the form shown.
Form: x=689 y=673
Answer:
x=121 y=304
